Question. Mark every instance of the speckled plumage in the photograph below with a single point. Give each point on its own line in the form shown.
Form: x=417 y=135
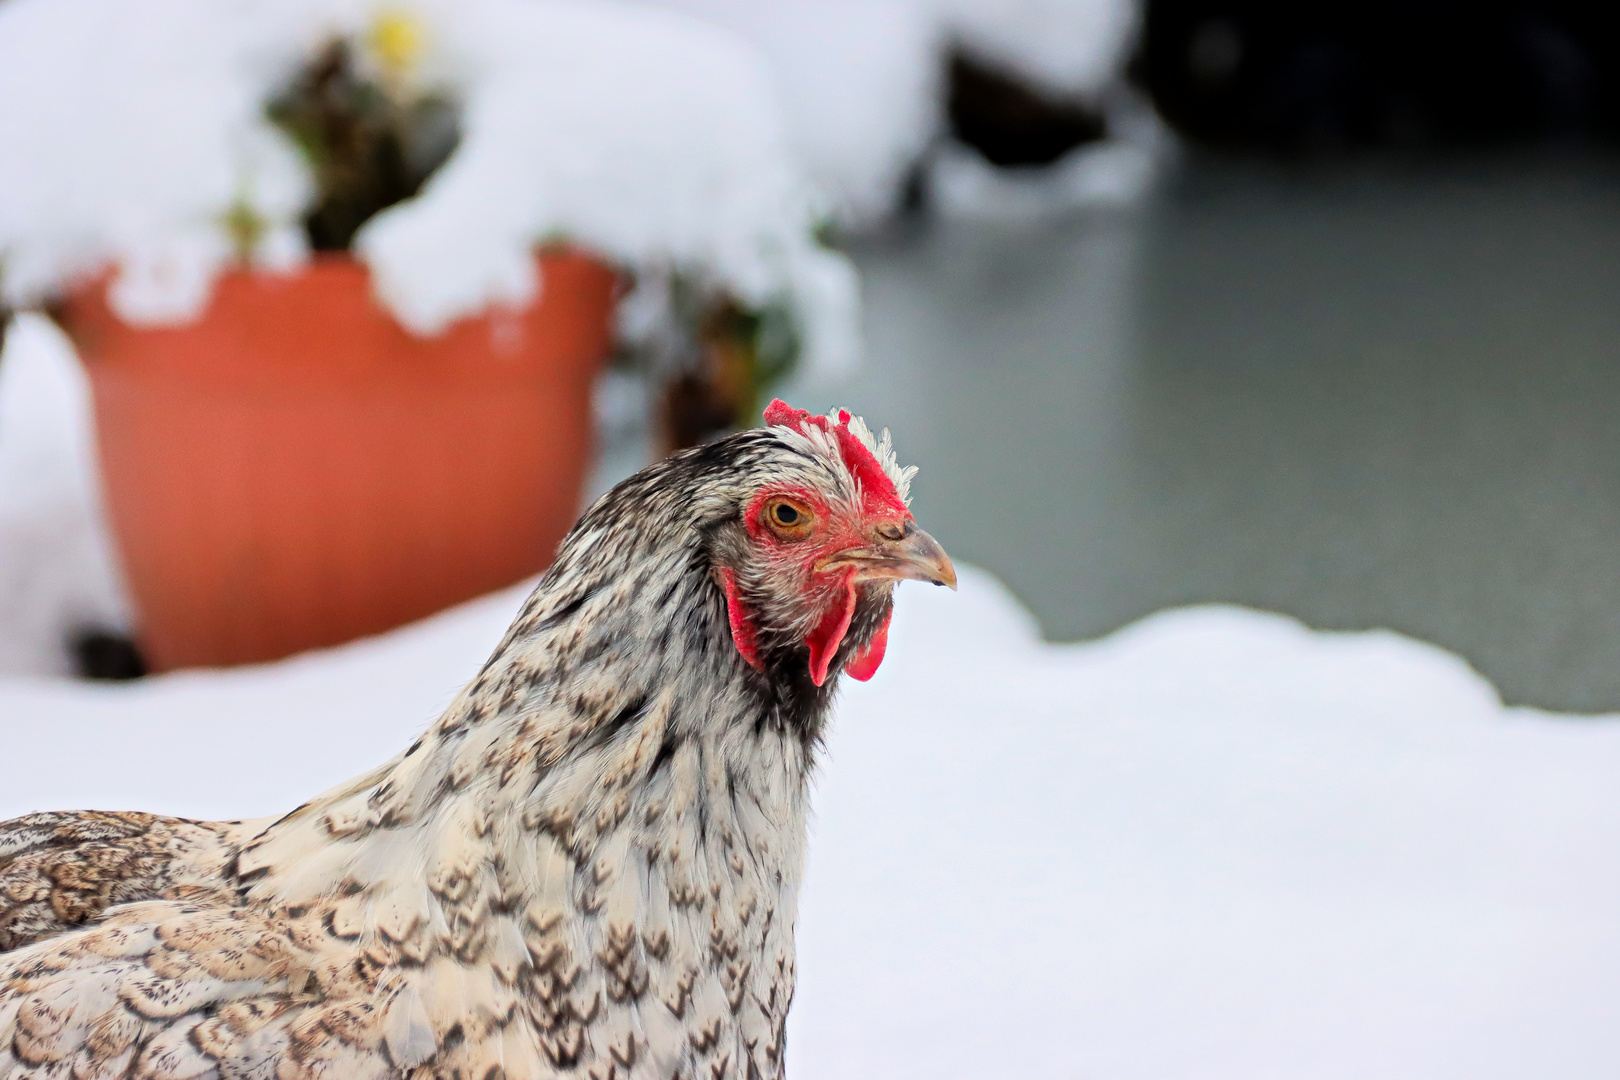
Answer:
x=587 y=867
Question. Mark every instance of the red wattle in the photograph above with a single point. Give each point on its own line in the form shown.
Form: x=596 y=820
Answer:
x=829 y=633
x=742 y=631
x=864 y=664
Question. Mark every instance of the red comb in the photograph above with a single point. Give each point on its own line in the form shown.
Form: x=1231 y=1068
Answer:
x=868 y=471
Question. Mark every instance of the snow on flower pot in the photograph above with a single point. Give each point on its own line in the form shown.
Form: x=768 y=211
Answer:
x=294 y=469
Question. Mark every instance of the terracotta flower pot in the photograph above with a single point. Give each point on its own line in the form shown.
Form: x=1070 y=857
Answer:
x=295 y=470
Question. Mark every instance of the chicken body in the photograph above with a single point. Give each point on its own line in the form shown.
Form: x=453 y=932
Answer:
x=587 y=867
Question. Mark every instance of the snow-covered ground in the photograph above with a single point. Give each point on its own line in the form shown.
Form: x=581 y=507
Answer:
x=1215 y=844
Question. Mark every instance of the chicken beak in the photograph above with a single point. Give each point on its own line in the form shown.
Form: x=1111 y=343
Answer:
x=916 y=555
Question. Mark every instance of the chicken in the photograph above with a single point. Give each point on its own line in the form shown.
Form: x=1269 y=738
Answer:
x=587 y=867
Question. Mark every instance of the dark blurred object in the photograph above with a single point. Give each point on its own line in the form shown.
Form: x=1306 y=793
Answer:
x=102 y=654
x=713 y=363
x=1344 y=74
x=368 y=148
x=736 y=355
x=693 y=409
x=1010 y=121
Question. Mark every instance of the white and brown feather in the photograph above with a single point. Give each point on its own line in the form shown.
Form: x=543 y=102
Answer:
x=587 y=867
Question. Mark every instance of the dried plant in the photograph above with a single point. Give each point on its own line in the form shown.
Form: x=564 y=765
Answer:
x=369 y=144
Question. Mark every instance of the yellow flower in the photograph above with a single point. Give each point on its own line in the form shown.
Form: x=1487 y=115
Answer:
x=397 y=40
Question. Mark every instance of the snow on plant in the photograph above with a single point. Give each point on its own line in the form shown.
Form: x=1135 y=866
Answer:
x=138 y=136
x=861 y=85
x=1069 y=46
x=862 y=80
x=129 y=130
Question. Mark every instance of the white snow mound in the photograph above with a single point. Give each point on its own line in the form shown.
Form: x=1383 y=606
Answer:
x=862 y=81
x=1067 y=46
x=1215 y=844
x=57 y=572
x=861 y=87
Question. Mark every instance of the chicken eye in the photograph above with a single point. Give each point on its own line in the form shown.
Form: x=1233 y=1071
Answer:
x=789 y=520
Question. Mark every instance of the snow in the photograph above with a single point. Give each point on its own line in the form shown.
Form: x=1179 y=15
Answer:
x=57 y=574
x=644 y=135
x=1215 y=844
x=131 y=130
x=1067 y=46
x=662 y=144
x=243 y=741
x=862 y=84
x=1119 y=171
